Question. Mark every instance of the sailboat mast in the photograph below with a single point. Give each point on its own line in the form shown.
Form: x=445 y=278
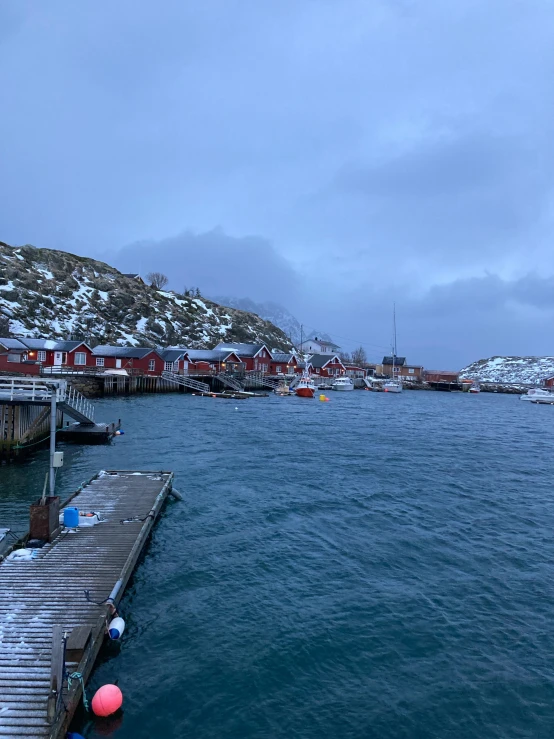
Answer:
x=393 y=339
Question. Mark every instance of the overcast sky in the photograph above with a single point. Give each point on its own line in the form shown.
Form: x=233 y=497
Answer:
x=333 y=156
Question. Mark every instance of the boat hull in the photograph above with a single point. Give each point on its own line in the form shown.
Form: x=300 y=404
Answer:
x=305 y=392
x=392 y=388
x=342 y=388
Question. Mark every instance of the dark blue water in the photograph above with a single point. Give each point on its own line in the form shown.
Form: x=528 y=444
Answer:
x=376 y=566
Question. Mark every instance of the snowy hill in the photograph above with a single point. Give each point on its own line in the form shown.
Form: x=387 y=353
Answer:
x=510 y=370
x=54 y=294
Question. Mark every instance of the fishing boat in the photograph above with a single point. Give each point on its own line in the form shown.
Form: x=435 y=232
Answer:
x=283 y=389
x=342 y=384
x=305 y=387
x=538 y=394
x=394 y=385
x=474 y=389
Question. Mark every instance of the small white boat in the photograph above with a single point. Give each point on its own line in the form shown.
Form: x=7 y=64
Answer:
x=537 y=394
x=392 y=386
x=474 y=389
x=342 y=383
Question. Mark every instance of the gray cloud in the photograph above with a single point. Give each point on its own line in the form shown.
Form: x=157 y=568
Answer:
x=217 y=262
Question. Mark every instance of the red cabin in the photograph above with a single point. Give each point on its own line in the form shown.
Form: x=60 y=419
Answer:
x=140 y=360
x=283 y=364
x=327 y=365
x=214 y=360
x=253 y=356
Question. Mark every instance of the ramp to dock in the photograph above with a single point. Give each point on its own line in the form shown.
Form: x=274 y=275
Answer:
x=43 y=599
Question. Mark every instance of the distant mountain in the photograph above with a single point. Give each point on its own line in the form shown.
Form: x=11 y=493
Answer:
x=510 y=370
x=53 y=294
x=276 y=314
x=273 y=312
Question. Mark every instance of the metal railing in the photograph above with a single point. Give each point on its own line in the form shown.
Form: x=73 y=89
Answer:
x=186 y=381
x=23 y=390
x=230 y=381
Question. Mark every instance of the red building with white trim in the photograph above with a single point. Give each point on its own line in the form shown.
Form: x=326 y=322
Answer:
x=253 y=356
x=140 y=360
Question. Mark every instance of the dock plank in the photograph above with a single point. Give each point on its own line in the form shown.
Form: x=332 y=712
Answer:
x=44 y=597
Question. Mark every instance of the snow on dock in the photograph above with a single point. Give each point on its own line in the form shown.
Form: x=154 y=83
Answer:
x=42 y=600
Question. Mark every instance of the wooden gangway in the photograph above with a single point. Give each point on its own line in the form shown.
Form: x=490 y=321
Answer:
x=186 y=381
x=49 y=629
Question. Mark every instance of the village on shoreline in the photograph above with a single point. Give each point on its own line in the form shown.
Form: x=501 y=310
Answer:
x=320 y=358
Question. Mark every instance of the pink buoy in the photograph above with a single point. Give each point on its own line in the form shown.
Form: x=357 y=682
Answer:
x=107 y=700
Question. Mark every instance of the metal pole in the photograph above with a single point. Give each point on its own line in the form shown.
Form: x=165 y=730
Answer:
x=53 y=409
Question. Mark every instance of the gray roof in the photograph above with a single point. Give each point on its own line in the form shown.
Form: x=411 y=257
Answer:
x=128 y=352
x=171 y=355
x=52 y=344
x=243 y=350
x=132 y=275
x=209 y=355
x=320 y=360
x=398 y=361
x=285 y=358
x=13 y=344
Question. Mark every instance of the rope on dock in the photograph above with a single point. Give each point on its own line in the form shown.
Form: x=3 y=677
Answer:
x=78 y=677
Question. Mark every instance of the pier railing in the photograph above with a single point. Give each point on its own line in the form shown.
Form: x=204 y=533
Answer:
x=39 y=392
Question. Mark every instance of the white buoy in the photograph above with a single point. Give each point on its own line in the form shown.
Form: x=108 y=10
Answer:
x=116 y=628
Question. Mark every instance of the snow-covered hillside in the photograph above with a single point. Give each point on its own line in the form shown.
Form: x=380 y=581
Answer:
x=510 y=370
x=54 y=294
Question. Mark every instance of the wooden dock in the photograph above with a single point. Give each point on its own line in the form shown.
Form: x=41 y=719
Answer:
x=48 y=627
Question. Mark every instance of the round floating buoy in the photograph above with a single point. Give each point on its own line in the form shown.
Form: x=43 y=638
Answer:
x=116 y=628
x=214 y=396
x=326 y=400
x=107 y=700
x=121 y=432
x=322 y=398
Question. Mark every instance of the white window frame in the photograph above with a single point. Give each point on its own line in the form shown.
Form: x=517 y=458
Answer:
x=168 y=366
x=411 y=371
x=176 y=366
x=41 y=355
x=80 y=355
x=100 y=361
x=151 y=365
x=278 y=369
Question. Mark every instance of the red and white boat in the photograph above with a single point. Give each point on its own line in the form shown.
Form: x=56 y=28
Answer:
x=305 y=387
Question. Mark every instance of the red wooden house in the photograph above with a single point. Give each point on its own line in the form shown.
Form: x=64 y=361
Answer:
x=214 y=360
x=253 y=356
x=14 y=357
x=137 y=359
x=327 y=365
x=64 y=354
x=283 y=364
x=549 y=382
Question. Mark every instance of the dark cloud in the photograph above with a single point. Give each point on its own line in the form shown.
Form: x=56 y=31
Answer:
x=217 y=263
x=381 y=151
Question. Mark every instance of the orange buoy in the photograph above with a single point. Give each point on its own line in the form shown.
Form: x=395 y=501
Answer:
x=107 y=700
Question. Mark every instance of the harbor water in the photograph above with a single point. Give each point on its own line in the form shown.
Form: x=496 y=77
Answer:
x=376 y=566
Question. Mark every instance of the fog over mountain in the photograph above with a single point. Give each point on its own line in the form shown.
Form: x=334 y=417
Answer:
x=331 y=158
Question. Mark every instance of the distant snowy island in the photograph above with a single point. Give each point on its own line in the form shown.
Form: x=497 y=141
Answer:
x=510 y=370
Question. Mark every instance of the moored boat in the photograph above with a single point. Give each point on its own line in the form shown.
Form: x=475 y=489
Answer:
x=394 y=385
x=305 y=387
x=474 y=388
x=342 y=383
x=538 y=394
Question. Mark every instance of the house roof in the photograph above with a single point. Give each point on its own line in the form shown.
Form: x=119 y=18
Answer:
x=127 y=352
x=398 y=361
x=210 y=355
x=53 y=345
x=13 y=344
x=132 y=275
x=243 y=350
x=284 y=358
x=172 y=355
x=318 y=361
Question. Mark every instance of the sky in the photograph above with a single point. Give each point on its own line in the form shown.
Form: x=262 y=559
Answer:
x=334 y=157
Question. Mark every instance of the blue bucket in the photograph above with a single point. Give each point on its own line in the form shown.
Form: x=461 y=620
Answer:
x=71 y=518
